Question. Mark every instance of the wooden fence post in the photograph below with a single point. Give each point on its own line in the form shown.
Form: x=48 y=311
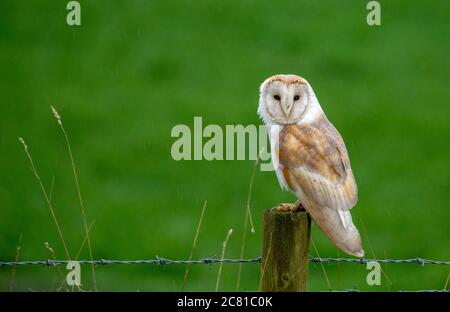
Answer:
x=285 y=256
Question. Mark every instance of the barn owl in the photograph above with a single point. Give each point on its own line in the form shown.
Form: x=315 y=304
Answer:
x=310 y=158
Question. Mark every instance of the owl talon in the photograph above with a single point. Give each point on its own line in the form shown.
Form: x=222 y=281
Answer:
x=298 y=207
x=285 y=207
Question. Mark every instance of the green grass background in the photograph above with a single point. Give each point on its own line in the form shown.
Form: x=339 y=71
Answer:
x=134 y=69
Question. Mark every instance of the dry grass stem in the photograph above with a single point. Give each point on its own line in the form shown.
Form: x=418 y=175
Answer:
x=47 y=199
x=373 y=253
x=50 y=196
x=186 y=272
x=321 y=264
x=263 y=271
x=61 y=274
x=248 y=217
x=84 y=240
x=13 y=272
x=224 y=247
x=77 y=184
x=446 y=282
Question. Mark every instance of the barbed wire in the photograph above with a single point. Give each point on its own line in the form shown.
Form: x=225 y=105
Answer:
x=163 y=261
x=402 y=290
x=420 y=261
x=158 y=260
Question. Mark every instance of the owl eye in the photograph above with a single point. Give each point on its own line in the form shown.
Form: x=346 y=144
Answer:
x=296 y=97
x=276 y=97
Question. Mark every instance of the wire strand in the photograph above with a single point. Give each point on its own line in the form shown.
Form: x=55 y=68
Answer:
x=164 y=261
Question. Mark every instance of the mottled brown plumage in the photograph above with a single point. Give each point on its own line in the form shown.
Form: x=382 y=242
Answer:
x=319 y=149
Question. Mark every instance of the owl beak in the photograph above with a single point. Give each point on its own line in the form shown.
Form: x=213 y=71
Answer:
x=288 y=111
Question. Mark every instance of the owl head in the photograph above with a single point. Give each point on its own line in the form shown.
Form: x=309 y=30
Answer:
x=286 y=99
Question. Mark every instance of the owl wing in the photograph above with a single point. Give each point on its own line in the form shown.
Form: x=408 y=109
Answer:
x=314 y=164
x=317 y=161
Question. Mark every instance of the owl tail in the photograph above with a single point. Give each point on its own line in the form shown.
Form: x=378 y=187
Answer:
x=338 y=227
